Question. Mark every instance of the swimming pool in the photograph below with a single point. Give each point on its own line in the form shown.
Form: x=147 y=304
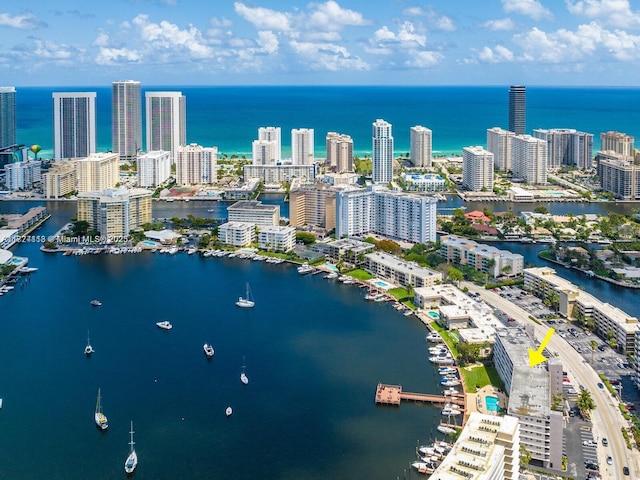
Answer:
x=433 y=314
x=148 y=243
x=491 y=403
x=381 y=284
x=333 y=268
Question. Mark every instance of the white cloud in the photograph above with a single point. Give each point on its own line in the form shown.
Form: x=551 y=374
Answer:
x=529 y=8
x=423 y=59
x=53 y=51
x=616 y=13
x=406 y=37
x=445 y=23
x=440 y=22
x=102 y=40
x=327 y=56
x=110 y=56
x=26 y=21
x=331 y=16
x=167 y=36
x=268 y=42
x=498 y=54
x=499 y=24
x=264 y=18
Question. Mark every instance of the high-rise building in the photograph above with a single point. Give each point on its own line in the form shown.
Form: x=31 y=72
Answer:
x=60 y=180
x=499 y=143
x=126 y=119
x=154 y=168
x=420 y=146
x=529 y=159
x=166 y=121
x=272 y=134
x=567 y=146
x=7 y=117
x=22 y=175
x=517 y=109
x=302 y=146
x=340 y=152
x=97 y=172
x=619 y=175
x=74 y=124
x=617 y=142
x=196 y=165
x=263 y=152
x=477 y=169
x=313 y=204
x=382 y=152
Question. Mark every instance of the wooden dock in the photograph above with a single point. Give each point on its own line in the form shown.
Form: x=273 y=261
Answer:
x=393 y=395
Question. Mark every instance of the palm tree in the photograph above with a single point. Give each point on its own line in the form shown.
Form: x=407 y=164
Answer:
x=593 y=345
x=585 y=403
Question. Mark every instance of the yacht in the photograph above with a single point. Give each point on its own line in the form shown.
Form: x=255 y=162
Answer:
x=131 y=462
x=99 y=417
x=446 y=430
x=449 y=382
x=448 y=411
x=228 y=411
x=447 y=370
x=305 y=268
x=88 y=350
x=433 y=337
x=95 y=303
x=442 y=359
x=247 y=301
x=208 y=350
x=423 y=467
x=165 y=325
x=243 y=376
x=331 y=275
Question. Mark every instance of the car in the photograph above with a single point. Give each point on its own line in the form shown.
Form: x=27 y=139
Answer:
x=589 y=443
x=600 y=385
x=625 y=470
x=609 y=460
x=605 y=442
x=582 y=389
x=602 y=348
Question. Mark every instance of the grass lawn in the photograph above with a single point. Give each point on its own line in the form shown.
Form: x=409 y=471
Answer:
x=359 y=274
x=448 y=338
x=479 y=376
x=399 y=293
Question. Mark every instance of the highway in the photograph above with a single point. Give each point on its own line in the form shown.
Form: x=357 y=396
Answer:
x=606 y=418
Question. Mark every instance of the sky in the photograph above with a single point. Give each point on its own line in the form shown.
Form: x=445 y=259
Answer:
x=333 y=42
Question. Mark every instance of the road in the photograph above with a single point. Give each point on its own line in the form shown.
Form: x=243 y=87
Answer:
x=607 y=419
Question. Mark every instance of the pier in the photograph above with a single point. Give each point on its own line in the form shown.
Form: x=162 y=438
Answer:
x=393 y=395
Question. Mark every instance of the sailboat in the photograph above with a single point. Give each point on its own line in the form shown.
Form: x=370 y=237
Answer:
x=243 y=376
x=88 y=350
x=99 y=417
x=246 y=302
x=131 y=462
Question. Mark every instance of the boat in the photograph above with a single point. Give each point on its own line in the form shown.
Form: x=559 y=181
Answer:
x=408 y=313
x=442 y=359
x=450 y=411
x=433 y=337
x=246 y=302
x=331 y=275
x=305 y=268
x=165 y=325
x=449 y=383
x=243 y=376
x=450 y=391
x=447 y=370
x=423 y=467
x=131 y=462
x=228 y=411
x=99 y=417
x=95 y=302
x=437 y=350
x=88 y=350
x=446 y=430
x=208 y=350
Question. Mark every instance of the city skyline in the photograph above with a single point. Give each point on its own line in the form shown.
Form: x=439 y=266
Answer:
x=531 y=42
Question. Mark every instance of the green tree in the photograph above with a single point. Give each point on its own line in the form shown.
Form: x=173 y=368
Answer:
x=306 y=238
x=585 y=403
x=593 y=344
x=525 y=456
x=455 y=275
x=80 y=228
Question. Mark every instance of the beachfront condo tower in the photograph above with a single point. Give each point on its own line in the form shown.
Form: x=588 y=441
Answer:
x=196 y=165
x=567 y=147
x=477 y=169
x=420 y=146
x=382 y=152
x=529 y=159
x=302 y=146
x=340 y=152
x=7 y=117
x=272 y=134
x=517 y=109
x=74 y=124
x=166 y=121
x=126 y=119
x=617 y=142
x=499 y=143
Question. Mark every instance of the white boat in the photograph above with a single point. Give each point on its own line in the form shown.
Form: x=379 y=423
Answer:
x=448 y=411
x=423 y=467
x=433 y=337
x=99 y=417
x=208 y=350
x=131 y=462
x=331 y=275
x=449 y=383
x=450 y=391
x=442 y=359
x=165 y=325
x=243 y=376
x=426 y=450
x=446 y=430
x=437 y=350
x=246 y=302
x=447 y=370
x=305 y=268
x=95 y=302
x=408 y=313
x=88 y=350
x=228 y=411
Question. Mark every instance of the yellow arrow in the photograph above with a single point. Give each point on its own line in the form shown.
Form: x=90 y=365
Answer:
x=535 y=356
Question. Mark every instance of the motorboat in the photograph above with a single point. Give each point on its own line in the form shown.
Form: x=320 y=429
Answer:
x=88 y=350
x=99 y=417
x=247 y=301
x=450 y=391
x=331 y=275
x=243 y=376
x=228 y=411
x=208 y=350
x=447 y=370
x=423 y=467
x=447 y=382
x=438 y=350
x=165 y=325
x=95 y=302
x=448 y=411
x=305 y=268
x=131 y=462
x=442 y=359
x=446 y=430
x=433 y=337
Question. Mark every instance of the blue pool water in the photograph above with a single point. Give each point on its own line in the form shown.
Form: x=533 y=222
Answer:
x=491 y=403
x=148 y=243
x=433 y=314
x=381 y=284
x=333 y=268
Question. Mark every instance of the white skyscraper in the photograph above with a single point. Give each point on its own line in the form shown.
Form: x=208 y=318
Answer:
x=566 y=146
x=7 y=116
x=499 y=143
x=421 y=146
x=166 y=121
x=272 y=134
x=477 y=169
x=154 y=168
x=74 y=124
x=302 y=146
x=382 y=155
x=617 y=142
x=529 y=159
x=126 y=119
x=340 y=152
x=263 y=152
x=196 y=165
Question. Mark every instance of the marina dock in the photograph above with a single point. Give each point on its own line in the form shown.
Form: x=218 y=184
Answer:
x=393 y=395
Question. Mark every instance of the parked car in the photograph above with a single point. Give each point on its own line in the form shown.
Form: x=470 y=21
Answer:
x=625 y=470
x=600 y=385
x=589 y=443
x=609 y=460
x=605 y=442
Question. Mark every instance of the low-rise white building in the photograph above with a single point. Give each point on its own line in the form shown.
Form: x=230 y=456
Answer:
x=279 y=173
x=254 y=211
x=8 y=237
x=400 y=272
x=22 y=175
x=154 y=168
x=277 y=238
x=424 y=182
x=237 y=234
x=484 y=258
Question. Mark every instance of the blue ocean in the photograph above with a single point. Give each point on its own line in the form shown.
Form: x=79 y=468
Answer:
x=229 y=117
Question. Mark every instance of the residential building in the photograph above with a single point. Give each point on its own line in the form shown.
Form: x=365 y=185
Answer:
x=420 y=145
x=8 y=238
x=264 y=152
x=621 y=143
x=529 y=159
x=255 y=212
x=481 y=257
x=619 y=175
x=276 y=238
x=477 y=169
x=567 y=147
x=340 y=152
x=348 y=250
x=60 y=180
x=126 y=119
x=488 y=448
x=313 y=205
x=302 y=146
x=196 y=165
x=7 y=117
x=22 y=175
x=237 y=234
x=279 y=173
x=400 y=272
x=609 y=322
x=15 y=153
x=97 y=172
x=396 y=215
x=166 y=121
x=154 y=168
x=74 y=124
x=272 y=134
x=424 y=182
x=517 y=109
x=499 y=143
x=382 y=152
x=343 y=179
x=115 y=212
x=531 y=390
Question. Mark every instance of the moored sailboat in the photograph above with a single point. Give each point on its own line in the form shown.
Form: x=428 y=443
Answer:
x=99 y=417
x=246 y=302
x=88 y=350
x=131 y=462
x=243 y=376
